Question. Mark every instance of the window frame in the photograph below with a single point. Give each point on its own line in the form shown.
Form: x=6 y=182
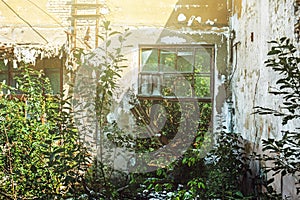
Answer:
x=161 y=73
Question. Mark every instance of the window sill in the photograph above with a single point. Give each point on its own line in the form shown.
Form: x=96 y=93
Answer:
x=174 y=98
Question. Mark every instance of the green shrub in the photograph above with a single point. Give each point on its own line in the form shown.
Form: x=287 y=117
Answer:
x=41 y=155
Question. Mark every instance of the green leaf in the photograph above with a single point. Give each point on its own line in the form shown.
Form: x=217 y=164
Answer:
x=201 y=185
x=106 y=25
x=101 y=37
x=273 y=42
x=108 y=43
x=283 y=39
x=273 y=52
x=114 y=33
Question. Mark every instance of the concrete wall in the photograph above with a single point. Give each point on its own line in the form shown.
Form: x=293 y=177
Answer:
x=254 y=23
x=168 y=22
x=174 y=22
x=40 y=15
x=187 y=21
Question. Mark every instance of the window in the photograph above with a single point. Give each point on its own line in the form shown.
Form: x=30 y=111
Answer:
x=176 y=71
x=52 y=67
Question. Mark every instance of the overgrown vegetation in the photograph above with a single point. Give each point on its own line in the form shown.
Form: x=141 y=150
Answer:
x=96 y=83
x=41 y=155
x=284 y=153
x=206 y=173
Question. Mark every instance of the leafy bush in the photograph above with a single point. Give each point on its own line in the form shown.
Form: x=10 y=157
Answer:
x=226 y=164
x=202 y=173
x=96 y=84
x=41 y=155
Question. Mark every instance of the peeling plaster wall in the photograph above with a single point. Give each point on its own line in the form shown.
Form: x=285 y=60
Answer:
x=194 y=14
x=152 y=22
x=255 y=23
x=251 y=80
x=168 y=22
x=173 y=22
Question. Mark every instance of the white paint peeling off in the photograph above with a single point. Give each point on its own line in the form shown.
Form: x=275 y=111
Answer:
x=192 y=18
x=5 y=62
x=209 y=22
x=29 y=53
x=15 y=64
x=172 y=40
x=216 y=29
x=25 y=54
x=181 y=17
x=224 y=31
x=198 y=19
x=252 y=81
x=190 y=22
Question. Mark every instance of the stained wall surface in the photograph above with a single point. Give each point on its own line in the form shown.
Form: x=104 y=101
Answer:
x=254 y=23
x=16 y=17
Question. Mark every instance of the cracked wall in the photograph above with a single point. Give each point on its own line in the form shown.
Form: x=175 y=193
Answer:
x=254 y=23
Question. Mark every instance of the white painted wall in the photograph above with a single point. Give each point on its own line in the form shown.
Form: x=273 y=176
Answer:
x=259 y=22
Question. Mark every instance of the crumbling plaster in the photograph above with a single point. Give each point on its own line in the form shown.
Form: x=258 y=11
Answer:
x=174 y=14
x=260 y=21
x=204 y=22
x=179 y=24
x=253 y=24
